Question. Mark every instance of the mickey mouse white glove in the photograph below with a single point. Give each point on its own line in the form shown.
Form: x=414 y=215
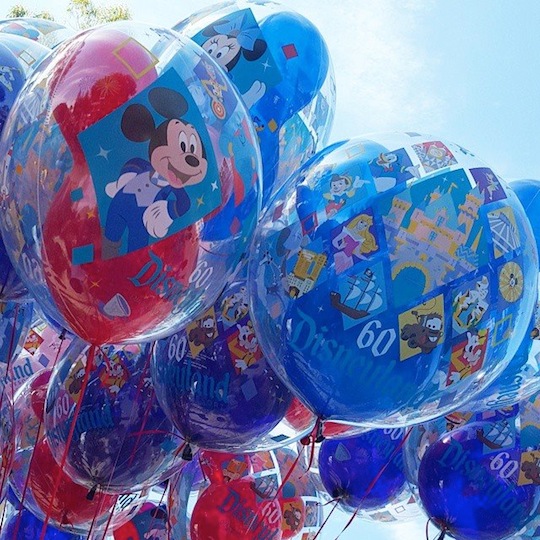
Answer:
x=156 y=219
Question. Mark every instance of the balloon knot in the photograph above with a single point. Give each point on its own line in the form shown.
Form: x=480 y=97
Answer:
x=92 y=493
x=187 y=454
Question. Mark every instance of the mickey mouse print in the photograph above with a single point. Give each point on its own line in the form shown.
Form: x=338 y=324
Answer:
x=162 y=176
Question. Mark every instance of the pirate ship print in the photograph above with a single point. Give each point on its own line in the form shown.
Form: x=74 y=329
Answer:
x=363 y=297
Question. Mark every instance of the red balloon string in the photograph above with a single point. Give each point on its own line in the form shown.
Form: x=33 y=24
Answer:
x=289 y=474
x=172 y=489
x=313 y=439
x=326 y=520
x=88 y=369
x=40 y=424
x=150 y=527
x=107 y=525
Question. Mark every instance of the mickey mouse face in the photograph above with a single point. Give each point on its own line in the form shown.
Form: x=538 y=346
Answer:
x=223 y=49
x=181 y=160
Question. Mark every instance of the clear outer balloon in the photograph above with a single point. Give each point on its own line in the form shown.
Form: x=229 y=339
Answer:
x=122 y=440
x=142 y=201
x=279 y=62
x=521 y=379
x=424 y=435
x=387 y=279
x=15 y=321
x=13 y=79
x=28 y=52
x=480 y=482
x=268 y=471
x=41 y=348
x=29 y=405
x=215 y=384
x=365 y=471
x=45 y=32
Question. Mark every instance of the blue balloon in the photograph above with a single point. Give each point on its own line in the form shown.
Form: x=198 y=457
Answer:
x=350 y=468
x=214 y=382
x=389 y=279
x=280 y=64
x=13 y=77
x=472 y=486
x=122 y=440
x=28 y=527
x=528 y=193
x=28 y=52
x=15 y=322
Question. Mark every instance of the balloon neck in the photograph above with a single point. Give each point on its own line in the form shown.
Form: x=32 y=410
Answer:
x=187 y=454
x=92 y=493
x=318 y=431
x=62 y=335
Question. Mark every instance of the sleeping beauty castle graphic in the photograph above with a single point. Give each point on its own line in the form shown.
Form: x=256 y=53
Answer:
x=440 y=237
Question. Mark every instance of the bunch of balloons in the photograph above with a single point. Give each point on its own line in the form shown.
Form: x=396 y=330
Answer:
x=212 y=322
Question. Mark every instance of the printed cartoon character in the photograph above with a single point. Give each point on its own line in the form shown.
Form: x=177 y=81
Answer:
x=475 y=299
x=392 y=168
x=341 y=190
x=531 y=471
x=114 y=376
x=205 y=333
x=248 y=346
x=428 y=437
x=470 y=359
x=6 y=77
x=425 y=333
x=293 y=518
x=235 y=307
x=149 y=195
x=235 y=469
x=355 y=239
x=76 y=383
x=234 y=37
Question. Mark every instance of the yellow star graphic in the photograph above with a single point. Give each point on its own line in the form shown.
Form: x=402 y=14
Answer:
x=200 y=200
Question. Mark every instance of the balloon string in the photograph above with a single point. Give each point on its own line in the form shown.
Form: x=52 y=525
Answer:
x=315 y=434
x=88 y=369
x=376 y=479
x=289 y=474
x=326 y=520
x=99 y=506
x=30 y=464
x=158 y=507
x=172 y=489
x=107 y=525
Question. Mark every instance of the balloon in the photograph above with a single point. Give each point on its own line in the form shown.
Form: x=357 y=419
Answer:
x=40 y=350
x=521 y=379
x=15 y=321
x=365 y=471
x=279 y=62
x=235 y=510
x=7 y=420
x=528 y=192
x=479 y=481
x=45 y=32
x=24 y=525
x=123 y=223
x=387 y=280
x=148 y=524
x=222 y=467
x=122 y=440
x=11 y=287
x=214 y=382
x=28 y=52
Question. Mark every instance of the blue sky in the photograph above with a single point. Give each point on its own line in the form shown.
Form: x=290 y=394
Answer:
x=466 y=70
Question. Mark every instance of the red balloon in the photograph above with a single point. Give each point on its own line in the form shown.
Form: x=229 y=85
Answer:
x=70 y=505
x=221 y=467
x=235 y=511
x=87 y=296
x=38 y=393
x=298 y=416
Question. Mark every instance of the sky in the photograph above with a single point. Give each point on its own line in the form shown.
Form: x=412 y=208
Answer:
x=467 y=71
